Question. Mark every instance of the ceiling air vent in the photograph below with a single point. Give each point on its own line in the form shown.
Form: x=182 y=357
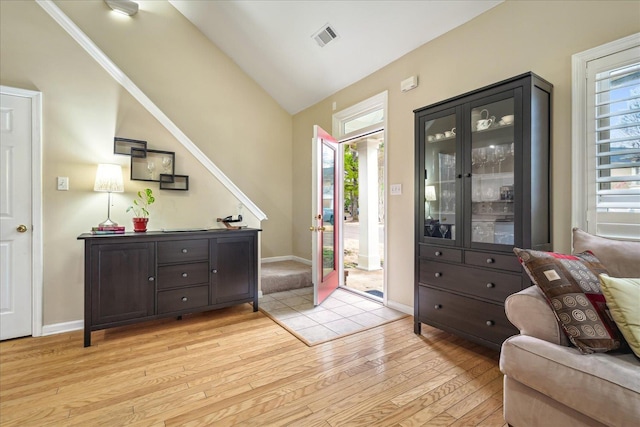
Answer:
x=325 y=35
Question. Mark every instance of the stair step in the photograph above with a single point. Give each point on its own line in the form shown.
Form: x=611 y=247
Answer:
x=285 y=275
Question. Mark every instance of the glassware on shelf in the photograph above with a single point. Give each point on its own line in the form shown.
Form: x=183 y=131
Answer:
x=166 y=165
x=151 y=166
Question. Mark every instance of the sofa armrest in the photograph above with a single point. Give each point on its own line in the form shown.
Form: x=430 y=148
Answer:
x=529 y=311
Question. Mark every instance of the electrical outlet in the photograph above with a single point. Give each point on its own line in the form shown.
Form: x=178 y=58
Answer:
x=63 y=183
x=396 y=189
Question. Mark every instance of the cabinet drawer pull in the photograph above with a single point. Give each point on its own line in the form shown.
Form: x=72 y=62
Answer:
x=151 y=278
x=184 y=251
x=490 y=323
x=184 y=299
x=438 y=306
x=438 y=274
x=438 y=253
x=185 y=275
x=490 y=261
x=214 y=271
x=491 y=285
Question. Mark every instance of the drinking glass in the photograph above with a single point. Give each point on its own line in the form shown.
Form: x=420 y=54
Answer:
x=151 y=166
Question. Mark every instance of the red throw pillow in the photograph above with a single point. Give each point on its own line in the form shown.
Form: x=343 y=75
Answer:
x=571 y=285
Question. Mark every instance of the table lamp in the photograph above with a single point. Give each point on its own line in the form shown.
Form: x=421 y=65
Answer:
x=109 y=179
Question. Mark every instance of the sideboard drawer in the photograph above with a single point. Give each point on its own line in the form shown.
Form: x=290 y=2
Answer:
x=487 y=284
x=484 y=320
x=183 y=251
x=441 y=253
x=183 y=299
x=174 y=276
x=492 y=260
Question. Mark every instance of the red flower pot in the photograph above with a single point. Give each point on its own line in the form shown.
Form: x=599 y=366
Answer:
x=140 y=224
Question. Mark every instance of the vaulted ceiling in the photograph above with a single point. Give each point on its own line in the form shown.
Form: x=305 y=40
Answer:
x=272 y=41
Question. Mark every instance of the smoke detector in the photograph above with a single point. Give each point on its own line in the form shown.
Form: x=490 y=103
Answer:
x=325 y=35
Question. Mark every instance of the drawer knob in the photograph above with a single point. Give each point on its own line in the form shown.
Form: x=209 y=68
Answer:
x=184 y=275
x=214 y=271
x=490 y=323
x=184 y=299
x=490 y=261
x=184 y=251
x=438 y=306
x=491 y=285
x=151 y=278
x=438 y=253
x=438 y=274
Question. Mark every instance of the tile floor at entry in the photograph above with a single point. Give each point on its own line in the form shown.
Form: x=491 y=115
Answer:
x=342 y=313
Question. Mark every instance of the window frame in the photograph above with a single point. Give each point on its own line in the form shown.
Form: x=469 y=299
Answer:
x=579 y=135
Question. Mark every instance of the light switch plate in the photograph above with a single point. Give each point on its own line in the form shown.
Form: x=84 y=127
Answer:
x=63 y=183
x=396 y=189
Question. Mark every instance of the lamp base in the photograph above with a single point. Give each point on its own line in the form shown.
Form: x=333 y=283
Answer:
x=108 y=223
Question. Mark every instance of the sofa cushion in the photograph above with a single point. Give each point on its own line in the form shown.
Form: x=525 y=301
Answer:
x=605 y=387
x=620 y=257
x=571 y=285
x=623 y=300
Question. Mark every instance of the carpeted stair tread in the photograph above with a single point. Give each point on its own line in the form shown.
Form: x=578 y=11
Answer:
x=285 y=275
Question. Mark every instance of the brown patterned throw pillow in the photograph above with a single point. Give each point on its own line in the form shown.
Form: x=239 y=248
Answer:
x=571 y=285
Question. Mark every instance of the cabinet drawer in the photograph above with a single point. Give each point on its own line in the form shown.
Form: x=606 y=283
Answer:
x=174 y=276
x=442 y=253
x=493 y=260
x=183 y=250
x=487 y=284
x=481 y=319
x=183 y=299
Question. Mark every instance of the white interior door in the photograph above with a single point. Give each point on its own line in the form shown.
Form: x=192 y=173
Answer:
x=15 y=216
x=327 y=212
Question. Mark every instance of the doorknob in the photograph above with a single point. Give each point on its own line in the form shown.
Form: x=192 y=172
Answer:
x=312 y=228
x=21 y=228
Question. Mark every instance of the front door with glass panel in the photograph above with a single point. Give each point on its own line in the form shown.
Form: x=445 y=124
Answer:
x=326 y=215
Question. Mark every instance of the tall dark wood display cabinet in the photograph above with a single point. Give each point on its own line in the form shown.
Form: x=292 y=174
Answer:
x=482 y=187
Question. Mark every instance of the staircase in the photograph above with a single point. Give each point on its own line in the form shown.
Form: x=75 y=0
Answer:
x=285 y=275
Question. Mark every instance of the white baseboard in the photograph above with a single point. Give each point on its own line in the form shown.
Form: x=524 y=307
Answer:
x=407 y=309
x=285 y=258
x=58 y=328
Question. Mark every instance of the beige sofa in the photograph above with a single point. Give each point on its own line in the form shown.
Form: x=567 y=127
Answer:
x=549 y=383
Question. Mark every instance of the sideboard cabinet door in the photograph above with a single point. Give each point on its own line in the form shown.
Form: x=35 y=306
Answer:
x=123 y=281
x=233 y=264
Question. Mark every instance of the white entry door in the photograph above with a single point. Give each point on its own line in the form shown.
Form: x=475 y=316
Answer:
x=16 y=226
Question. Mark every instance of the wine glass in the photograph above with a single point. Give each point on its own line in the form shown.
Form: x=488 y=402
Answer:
x=166 y=165
x=151 y=166
x=443 y=230
x=501 y=154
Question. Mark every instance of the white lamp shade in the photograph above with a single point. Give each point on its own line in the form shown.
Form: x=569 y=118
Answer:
x=109 y=178
x=430 y=193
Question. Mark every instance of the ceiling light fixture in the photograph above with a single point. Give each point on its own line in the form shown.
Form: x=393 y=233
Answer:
x=128 y=7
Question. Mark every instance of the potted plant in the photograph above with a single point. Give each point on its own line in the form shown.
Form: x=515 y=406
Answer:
x=140 y=209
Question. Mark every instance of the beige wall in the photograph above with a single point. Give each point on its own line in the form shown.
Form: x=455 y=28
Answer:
x=225 y=113
x=512 y=38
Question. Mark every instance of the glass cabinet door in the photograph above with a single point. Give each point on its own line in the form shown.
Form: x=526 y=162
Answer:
x=440 y=191
x=492 y=172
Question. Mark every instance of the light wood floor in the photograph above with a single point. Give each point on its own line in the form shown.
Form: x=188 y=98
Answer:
x=234 y=367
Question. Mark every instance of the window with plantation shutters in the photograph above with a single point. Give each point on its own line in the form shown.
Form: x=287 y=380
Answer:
x=607 y=147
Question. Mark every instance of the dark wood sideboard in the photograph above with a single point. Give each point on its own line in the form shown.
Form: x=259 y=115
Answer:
x=135 y=277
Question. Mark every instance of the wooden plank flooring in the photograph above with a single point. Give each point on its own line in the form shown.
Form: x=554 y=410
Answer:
x=234 y=367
